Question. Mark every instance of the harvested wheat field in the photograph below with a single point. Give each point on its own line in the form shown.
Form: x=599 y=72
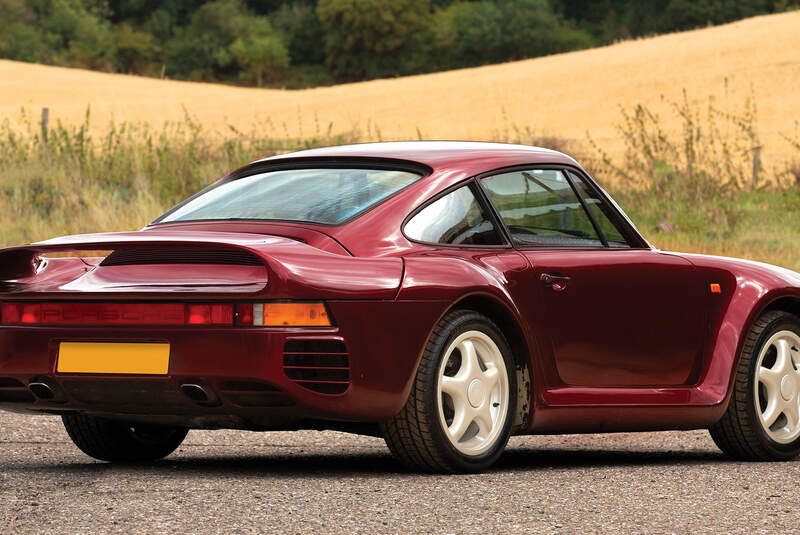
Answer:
x=565 y=95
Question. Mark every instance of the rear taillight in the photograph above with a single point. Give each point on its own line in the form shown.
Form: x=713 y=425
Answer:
x=297 y=314
x=116 y=314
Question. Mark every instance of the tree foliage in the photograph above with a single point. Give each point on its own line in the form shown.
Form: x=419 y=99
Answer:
x=309 y=42
x=368 y=38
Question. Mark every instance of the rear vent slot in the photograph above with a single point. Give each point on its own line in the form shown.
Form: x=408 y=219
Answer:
x=13 y=391
x=164 y=256
x=254 y=394
x=321 y=366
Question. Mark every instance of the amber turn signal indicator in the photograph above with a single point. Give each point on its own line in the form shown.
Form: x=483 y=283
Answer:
x=284 y=315
x=295 y=315
x=715 y=288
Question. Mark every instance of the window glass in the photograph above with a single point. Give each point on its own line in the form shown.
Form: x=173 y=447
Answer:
x=540 y=208
x=457 y=219
x=603 y=214
x=328 y=196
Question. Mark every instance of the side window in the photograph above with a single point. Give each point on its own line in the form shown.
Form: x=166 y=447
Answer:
x=540 y=208
x=602 y=213
x=455 y=219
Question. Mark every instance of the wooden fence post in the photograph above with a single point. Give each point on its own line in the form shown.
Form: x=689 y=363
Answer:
x=45 y=121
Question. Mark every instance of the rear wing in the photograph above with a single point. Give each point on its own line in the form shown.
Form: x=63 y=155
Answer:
x=203 y=263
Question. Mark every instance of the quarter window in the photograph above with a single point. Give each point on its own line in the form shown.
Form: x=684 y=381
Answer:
x=455 y=219
x=540 y=208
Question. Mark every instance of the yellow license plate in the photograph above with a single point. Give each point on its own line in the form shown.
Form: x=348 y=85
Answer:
x=97 y=357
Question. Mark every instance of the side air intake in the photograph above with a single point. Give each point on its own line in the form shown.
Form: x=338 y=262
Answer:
x=319 y=365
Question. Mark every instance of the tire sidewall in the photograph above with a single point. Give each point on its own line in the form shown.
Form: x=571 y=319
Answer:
x=459 y=325
x=775 y=449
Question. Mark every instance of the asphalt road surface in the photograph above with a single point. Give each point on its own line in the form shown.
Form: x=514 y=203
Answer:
x=327 y=482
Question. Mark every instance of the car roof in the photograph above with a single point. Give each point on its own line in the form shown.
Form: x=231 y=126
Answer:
x=438 y=154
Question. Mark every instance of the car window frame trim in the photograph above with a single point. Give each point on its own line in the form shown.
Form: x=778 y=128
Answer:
x=624 y=220
x=620 y=219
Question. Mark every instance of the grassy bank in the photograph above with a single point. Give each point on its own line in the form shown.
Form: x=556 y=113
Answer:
x=702 y=188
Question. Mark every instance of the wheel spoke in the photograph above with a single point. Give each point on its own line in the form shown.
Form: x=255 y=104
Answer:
x=783 y=360
x=773 y=410
x=456 y=388
x=484 y=419
x=792 y=415
x=771 y=380
x=461 y=422
x=469 y=360
x=491 y=377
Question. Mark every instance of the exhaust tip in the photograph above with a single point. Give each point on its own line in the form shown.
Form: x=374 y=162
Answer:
x=199 y=393
x=41 y=390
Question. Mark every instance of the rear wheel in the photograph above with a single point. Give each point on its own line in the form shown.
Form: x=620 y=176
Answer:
x=762 y=422
x=112 y=440
x=458 y=415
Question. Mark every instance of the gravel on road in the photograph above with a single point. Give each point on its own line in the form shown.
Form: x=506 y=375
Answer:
x=329 y=482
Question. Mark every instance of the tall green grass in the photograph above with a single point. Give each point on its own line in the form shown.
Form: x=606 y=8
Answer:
x=63 y=180
x=703 y=187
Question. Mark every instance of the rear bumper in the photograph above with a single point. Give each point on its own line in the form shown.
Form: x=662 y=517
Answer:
x=361 y=370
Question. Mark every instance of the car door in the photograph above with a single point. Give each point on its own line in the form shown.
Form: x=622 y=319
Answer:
x=610 y=310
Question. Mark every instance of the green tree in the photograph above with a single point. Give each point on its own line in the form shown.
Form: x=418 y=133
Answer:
x=686 y=14
x=467 y=34
x=369 y=38
x=261 y=55
x=204 y=49
x=475 y=33
x=21 y=39
x=304 y=34
x=78 y=30
x=530 y=29
x=135 y=50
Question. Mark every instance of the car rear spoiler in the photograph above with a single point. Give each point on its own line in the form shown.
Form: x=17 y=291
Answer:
x=296 y=270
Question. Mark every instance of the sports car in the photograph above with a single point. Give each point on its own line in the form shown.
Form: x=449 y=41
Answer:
x=443 y=295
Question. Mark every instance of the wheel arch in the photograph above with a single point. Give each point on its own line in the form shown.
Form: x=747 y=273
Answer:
x=790 y=304
x=786 y=303
x=506 y=321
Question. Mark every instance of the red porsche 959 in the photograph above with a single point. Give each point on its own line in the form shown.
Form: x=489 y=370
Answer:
x=443 y=295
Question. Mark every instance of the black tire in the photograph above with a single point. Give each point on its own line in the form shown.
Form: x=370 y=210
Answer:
x=740 y=433
x=117 y=441
x=416 y=435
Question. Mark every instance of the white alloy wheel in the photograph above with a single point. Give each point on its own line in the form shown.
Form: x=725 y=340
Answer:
x=777 y=387
x=473 y=393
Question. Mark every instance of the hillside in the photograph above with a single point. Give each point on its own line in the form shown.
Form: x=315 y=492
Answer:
x=564 y=95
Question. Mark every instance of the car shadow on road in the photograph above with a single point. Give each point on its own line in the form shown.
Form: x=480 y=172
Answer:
x=377 y=464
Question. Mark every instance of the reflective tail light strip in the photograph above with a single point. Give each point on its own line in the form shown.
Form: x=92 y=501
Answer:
x=116 y=314
x=258 y=314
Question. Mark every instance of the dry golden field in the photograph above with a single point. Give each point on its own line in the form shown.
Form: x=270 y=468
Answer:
x=565 y=95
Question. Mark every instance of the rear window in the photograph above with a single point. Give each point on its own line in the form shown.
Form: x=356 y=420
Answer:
x=326 y=196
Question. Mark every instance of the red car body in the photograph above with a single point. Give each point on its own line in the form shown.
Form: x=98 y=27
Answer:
x=641 y=339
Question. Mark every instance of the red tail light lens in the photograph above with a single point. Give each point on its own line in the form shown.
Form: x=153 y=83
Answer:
x=210 y=314
x=116 y=314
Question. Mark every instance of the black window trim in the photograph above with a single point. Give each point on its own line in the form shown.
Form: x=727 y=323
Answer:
x=486 y=207
x=259 y=167
x=633 y=238
x=619 y=219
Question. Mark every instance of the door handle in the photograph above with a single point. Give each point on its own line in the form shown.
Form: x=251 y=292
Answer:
x=556 y=282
